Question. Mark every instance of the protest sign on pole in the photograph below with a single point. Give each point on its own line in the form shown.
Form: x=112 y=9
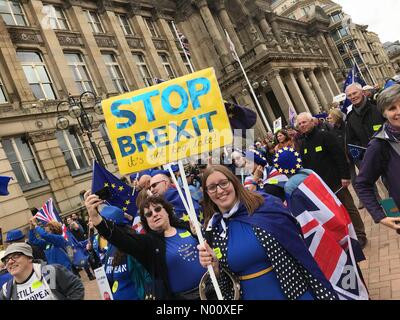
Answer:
x=167 y=122
x=102 y=283
x=277 y=125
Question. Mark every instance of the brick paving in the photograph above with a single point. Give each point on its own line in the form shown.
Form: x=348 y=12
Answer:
x=381 y=270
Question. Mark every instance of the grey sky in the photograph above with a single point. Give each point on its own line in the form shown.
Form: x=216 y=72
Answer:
x=382 y=16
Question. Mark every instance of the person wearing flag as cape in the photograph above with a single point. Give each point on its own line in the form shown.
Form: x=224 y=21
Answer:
x=167 y=250
x=321 y=152
x=325 y=224
x=256 y=238
x=51 y=240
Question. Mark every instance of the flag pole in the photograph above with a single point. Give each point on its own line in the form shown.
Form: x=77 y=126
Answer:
x=236 y=57
x=196 y=224
x=183 y=48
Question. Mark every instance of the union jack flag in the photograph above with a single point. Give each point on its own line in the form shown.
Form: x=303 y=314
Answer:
x=49 y=213
x=329 y=235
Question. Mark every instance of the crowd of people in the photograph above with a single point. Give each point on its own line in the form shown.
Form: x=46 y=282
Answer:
x=254 y=241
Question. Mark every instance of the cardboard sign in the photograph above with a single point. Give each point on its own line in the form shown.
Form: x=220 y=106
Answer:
x=277 y=125
x=102 y=282
x=167 y=122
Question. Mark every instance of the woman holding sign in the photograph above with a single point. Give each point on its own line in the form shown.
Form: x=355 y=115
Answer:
x=255 y=237
x=167 y=251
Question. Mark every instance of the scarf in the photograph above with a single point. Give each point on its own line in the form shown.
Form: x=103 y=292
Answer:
x=392 y=132
x=359 y=109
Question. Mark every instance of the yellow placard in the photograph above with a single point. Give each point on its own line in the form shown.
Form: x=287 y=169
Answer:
x=318 y=149
x=218 y=253
x=173 y=120
x=305 y=151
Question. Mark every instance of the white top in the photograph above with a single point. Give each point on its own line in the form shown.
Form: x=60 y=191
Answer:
x=34 y=289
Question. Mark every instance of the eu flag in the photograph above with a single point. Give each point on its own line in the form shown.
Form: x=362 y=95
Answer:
x=123 y=196
x=240 y=117
x=354 y=76
x=4 y=185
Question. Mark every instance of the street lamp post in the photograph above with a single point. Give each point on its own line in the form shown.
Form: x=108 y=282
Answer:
x=76 y=110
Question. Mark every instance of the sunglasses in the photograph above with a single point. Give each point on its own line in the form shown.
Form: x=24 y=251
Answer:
x=156 y=183
x=149 y=214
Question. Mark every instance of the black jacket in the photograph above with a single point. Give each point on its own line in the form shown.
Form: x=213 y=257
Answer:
x=361 y=128
x=149 y=249
x=322 y=152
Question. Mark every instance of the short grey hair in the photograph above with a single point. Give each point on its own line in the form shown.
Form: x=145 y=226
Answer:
x=306 y=115
x=355 y=85
x=388 y=97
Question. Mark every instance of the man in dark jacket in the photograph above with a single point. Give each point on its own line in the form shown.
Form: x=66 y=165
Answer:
x=322 y=152
x=364 y=120
x=37 y=281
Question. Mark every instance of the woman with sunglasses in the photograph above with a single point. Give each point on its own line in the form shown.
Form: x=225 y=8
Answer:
x=259 y=241
x=167 y=250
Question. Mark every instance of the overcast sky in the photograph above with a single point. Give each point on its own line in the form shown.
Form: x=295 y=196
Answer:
x=382 y=16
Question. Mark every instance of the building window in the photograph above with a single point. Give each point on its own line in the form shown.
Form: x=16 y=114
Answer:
x=151 y=27
x=115 y=72
x=305 y=10
x=94 y=21
x=167 y=65
x=143 y=69
x=36 y=73
x=56 y=16
x=106 y=137
x=358 y=59
x=72 y=149
x=186 y=63
x=335 y=35
x=23 y=160
x=12 y=13
x=343 y=32
x=125 y=25
x=348 y=63
x=3 y=97
x=79 y=70
x=336 y=17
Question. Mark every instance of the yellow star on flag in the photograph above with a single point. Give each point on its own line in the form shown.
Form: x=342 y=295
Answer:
x=292 y=171
x=120 y=188
x=286 y=171
x=298 y=166
x=296 y=154
x=127 y=202
x=201 y=217
x=285 y=148
x=298 y=160
x=231 y=115
x=124 y=209
x=280 y=170
x=280 y=151
x=113 y=185
x=276 y=165
x=185 y=217
x=106 y=184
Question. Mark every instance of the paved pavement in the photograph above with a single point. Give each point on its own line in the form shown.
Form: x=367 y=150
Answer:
x=381 y=270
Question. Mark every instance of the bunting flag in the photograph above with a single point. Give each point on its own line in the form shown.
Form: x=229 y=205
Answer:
x=4 y=180
x=49 y=213
x=240 y=117
x=329 y=235
x=123 y=195
x=292 y=115
x=354 y=76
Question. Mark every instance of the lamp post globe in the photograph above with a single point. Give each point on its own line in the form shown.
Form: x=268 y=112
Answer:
x=62 y=123
x=74 y=111
x=98 y=109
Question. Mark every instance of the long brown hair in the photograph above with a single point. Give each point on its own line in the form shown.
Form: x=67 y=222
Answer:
x=251 y=200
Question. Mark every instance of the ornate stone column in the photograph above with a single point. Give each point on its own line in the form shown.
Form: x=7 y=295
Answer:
x=227 y=24
x=332 y=82
x=298 y=98
x=317 y=88
x=275 y=26
x=213 y=31
x=280 y=92
x=312 y=102
x=324 y=86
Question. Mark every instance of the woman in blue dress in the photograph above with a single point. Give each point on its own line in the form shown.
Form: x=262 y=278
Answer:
x=254 y=237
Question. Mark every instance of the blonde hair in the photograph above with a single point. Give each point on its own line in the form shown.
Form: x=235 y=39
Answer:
x=337 y=115
x=251 y=200
x=54 y=227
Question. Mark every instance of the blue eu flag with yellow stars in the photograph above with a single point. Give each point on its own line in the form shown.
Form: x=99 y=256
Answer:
x=122 y=197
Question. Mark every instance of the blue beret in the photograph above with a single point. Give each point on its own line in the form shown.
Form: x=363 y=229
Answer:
x=14 y=235
x=113 y=214
x=287 y=161
x=257 y=157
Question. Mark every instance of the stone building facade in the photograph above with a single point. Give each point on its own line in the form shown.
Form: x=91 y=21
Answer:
x=393 y=51
x=355 y=45
x=52 y=49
